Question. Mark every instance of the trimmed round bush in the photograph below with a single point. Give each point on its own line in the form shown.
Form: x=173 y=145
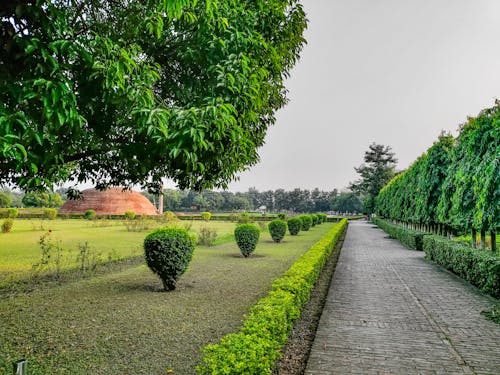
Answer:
x=277 y=229
x=294 y=225
x=129 y=215
x=306 y=222
x=247 y=236
x=244 y=218
x=168 y=252
x=282 y=216
x=315 y=220
x=206 y=215
x=89 y=214
x=7 y=225
x=12 y=213
x=50 y=213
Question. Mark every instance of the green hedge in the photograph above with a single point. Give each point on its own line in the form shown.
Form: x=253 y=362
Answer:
x=480 y=268
x=408 y=237
x=256 y=348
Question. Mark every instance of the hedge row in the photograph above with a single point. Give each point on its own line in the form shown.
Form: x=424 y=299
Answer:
x=256 y=348
x=410 y=238
x=480 y=268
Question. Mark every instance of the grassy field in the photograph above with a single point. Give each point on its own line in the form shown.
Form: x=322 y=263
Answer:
x=120 y=322
x=107 y=240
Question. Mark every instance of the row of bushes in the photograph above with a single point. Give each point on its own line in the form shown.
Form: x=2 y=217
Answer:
x=410 y=238
x=256 y=348
x=480 y=268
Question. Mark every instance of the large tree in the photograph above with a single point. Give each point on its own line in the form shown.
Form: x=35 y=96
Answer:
x=129 y=91
x=375 y=173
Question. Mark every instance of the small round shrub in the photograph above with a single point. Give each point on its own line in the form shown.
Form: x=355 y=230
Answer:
x=89 y=214
x=129 y=215
x=50 y=213
x=277 y=229
x=247 y=236
x=170 y=216
x=206 y=216
x=168 y=252
x=244 y=218
x=7 y=225
x=323 y=217
x=282 y=216
x=315 y=219
x=306 y=222
x=12 y=213
x=207 y=236
x=294 y=225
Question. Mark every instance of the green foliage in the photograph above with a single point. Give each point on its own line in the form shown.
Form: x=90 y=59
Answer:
x=346 y=202
x=306 y=222
x=480 y=268
x=206 y=216
x=277 y=229
x=168 y=252
x=50 y=213
x=5 y=200
x=7 y=225
x=90 y=214
x=294 y=225
x=257 y=347
x=410 y=238
x=282 y=216
x=37 y=199
x=323 y=217
x=315 y=219
x=129 y=215
x=247 y=236
x=123 y=92
x=207 y=236
x=243 y=218
x=12 y=213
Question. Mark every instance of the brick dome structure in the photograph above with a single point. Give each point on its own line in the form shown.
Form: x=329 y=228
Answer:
x=113 y=201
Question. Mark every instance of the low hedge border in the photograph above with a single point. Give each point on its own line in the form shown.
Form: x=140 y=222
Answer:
x=480 y=268
x=410 y=238
x=256 y=348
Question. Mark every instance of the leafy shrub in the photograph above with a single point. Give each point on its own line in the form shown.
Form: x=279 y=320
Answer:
x=129 y=215
x=480 y=268
x=315 y=220
x=306 y=222
x=247 y=236
x=50 y=213
x=282 y=216
x=207 y=236
x=277 y=229
x=257 y=347
x=294 y=225
x=243 y=218
x=170 y=216
x=90 y=215
x=206 y=216
x=410 y=238
x=168 y=252
x=323 y=217
x=12 y=213
x=7 y=225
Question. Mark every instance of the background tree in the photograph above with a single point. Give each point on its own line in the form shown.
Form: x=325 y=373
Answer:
x=38 y=199
x=375 y=173
x=346 y=202
x=127 y=92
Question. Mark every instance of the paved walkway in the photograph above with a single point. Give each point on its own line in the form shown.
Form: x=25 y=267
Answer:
x=391 y=312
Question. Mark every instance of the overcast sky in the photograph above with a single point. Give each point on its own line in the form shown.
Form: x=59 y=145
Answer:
x=395 y=72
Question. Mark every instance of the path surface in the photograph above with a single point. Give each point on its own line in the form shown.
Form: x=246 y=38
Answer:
x=389 y=311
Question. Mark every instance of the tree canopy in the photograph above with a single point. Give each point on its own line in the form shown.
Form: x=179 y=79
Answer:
x=127 y=92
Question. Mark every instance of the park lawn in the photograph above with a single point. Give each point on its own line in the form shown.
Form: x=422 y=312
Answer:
x=120 y=322
x=107 y=239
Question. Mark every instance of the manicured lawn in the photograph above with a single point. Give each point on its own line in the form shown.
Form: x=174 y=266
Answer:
x=109 y=239
x=120 y=323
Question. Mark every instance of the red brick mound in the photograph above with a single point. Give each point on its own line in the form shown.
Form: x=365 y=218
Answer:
x=113 y=201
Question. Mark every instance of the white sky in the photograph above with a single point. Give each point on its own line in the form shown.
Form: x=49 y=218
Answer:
x=395 y=72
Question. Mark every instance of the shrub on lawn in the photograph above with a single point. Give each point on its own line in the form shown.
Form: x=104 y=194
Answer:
x=7 y=225
x=206 y=216
x=207 y=236
x=129 y=215
x=243 y=218
x=89 y=214
x=247 y=236
x=306 y=222
x=257 y=347
x=480 y=268
x=168 y=252
x=410 y=238
x=315 y=219
x=277 y=229
x=50 y=213
x=294 y=225
x=282 y=216
x=12 y=213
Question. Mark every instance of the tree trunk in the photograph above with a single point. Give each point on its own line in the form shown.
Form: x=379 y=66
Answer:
x=483 y=239
x=493 y=241
x=474 y=238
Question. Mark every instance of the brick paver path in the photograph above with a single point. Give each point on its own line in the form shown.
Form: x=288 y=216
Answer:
x=389 y=311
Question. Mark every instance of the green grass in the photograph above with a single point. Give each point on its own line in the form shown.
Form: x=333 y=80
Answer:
x=107 y=239
x=120 y=322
